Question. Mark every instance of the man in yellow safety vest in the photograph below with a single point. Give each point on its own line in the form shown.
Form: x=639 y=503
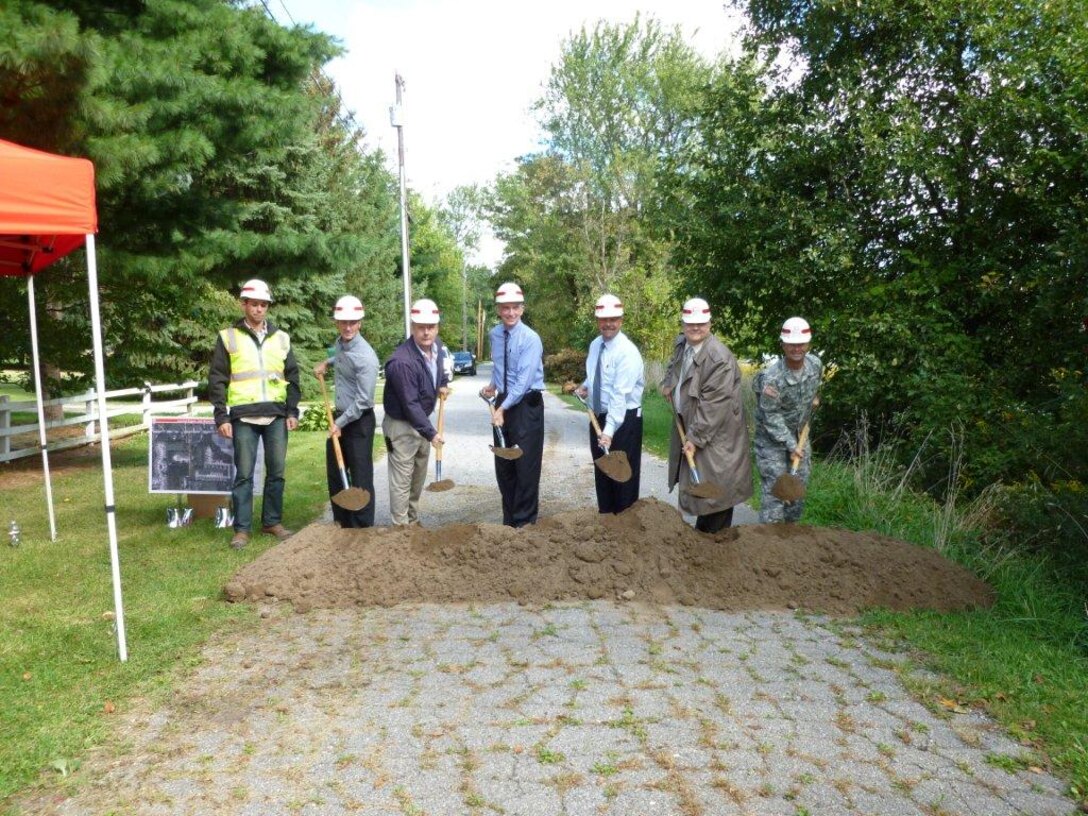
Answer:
x=253 y=387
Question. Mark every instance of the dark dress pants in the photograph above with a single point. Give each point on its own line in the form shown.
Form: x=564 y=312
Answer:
x=357 y=445
x=713 y=522
x=519 y=479
x=613 y=496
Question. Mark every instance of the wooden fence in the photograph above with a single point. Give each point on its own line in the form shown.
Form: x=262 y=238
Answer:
x=82 y=409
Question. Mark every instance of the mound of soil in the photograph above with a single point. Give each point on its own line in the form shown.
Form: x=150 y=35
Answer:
x=647 y=553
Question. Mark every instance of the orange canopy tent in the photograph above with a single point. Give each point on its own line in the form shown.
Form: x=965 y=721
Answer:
x=47 y=209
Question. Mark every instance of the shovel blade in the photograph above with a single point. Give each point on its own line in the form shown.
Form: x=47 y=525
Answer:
x=788 y=488
x=506 y=453
x=440 y=486
x=352 y=498
x=706 y=490
x=615 y=466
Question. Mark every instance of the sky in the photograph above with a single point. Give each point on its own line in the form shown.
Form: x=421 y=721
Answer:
x=472 y=70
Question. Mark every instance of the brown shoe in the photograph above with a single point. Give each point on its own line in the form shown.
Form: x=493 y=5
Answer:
x=279 y=531
x=241 y=538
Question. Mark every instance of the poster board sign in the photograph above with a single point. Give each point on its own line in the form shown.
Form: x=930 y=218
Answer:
x=187 y=455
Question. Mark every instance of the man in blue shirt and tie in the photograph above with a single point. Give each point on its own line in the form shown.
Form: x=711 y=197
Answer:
x=517 y=384
x=614 y=383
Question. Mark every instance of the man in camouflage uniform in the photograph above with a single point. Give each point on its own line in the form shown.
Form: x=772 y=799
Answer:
x=784 y=393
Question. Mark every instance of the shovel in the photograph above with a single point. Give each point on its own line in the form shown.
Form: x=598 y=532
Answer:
x=699 y=488
x=613 y=464
x=788 y=487
x=501 y=450
x=350 y=498
x=439 y=484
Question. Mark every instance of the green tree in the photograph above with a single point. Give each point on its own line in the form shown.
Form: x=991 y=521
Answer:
x=220 y=155
x=462 y=214
x=534 y=211
x=917 y=192
x=583 y=218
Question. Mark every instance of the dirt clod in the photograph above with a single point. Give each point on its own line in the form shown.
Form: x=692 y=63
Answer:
x=647 y=552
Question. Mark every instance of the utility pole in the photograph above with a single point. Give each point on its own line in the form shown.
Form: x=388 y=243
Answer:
x=396 y=119
x=464 y=306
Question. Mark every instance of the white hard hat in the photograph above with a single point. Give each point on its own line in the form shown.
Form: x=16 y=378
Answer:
x=696 y=310
x=608 y=306
x=348 y=307
x=509 y=293
x=425 y=312
x=256 y=290
x=796 y=330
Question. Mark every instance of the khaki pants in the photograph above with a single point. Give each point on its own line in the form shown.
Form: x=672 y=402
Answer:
x=409 y=454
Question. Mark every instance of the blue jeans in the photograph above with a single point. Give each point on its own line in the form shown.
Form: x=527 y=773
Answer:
x=246 y=436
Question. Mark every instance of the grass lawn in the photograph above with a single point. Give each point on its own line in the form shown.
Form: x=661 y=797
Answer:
x=60 y=679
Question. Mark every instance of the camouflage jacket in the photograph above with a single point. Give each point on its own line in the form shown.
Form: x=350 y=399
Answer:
x=783 y=398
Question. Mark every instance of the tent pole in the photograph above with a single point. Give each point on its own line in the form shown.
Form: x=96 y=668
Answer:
x=41 y=407
x=104 y=443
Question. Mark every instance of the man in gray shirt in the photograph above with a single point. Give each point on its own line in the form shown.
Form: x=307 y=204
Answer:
x=356 y=368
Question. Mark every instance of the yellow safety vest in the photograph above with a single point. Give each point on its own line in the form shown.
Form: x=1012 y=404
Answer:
x=256 y=371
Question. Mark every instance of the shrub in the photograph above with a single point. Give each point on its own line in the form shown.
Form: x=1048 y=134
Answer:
x=313 y=418
x=565 y=365
x=1048 y=518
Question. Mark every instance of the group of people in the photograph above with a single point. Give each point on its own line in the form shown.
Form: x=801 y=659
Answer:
x=254 y=389
x=702 y=385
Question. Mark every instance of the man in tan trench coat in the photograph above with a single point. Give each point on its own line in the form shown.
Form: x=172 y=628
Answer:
x=703 y=381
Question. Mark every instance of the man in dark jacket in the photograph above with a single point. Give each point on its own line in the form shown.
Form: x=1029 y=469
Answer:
x=415 y=377
x=253 y=387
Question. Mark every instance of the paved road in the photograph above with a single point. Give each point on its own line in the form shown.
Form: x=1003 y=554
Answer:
x=567 y=473
x=572 y=709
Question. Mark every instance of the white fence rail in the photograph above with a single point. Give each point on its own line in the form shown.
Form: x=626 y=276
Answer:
x=82 y=409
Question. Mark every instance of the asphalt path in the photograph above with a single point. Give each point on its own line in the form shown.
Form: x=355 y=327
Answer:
x=566 y=481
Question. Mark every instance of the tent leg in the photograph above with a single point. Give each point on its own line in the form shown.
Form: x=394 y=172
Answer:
x=104 y=443
x=41 y=407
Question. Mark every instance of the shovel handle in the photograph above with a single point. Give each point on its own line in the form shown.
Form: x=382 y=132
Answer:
x=802 y=438
x=441 y=425
x=799 y=451
x=592 y=420
x=335 y=440
x=687 y=454
x=498 y=428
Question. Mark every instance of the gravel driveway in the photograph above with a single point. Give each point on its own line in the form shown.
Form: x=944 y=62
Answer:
x=567 y=473
x=590 y=708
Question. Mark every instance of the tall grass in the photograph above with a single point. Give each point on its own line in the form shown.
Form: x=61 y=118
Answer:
x=1026 y=658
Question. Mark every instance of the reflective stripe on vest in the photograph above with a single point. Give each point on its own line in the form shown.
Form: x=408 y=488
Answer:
x=256 y=371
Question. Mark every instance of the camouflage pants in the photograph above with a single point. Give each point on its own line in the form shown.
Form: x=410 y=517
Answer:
x=772 y=463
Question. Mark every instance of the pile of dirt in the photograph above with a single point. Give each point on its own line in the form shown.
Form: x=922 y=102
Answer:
x=647 y=554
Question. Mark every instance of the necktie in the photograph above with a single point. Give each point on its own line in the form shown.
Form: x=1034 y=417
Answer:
x=505 y=362
x=597 y=382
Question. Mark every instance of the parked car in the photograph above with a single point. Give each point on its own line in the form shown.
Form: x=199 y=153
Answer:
x=464 y=362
